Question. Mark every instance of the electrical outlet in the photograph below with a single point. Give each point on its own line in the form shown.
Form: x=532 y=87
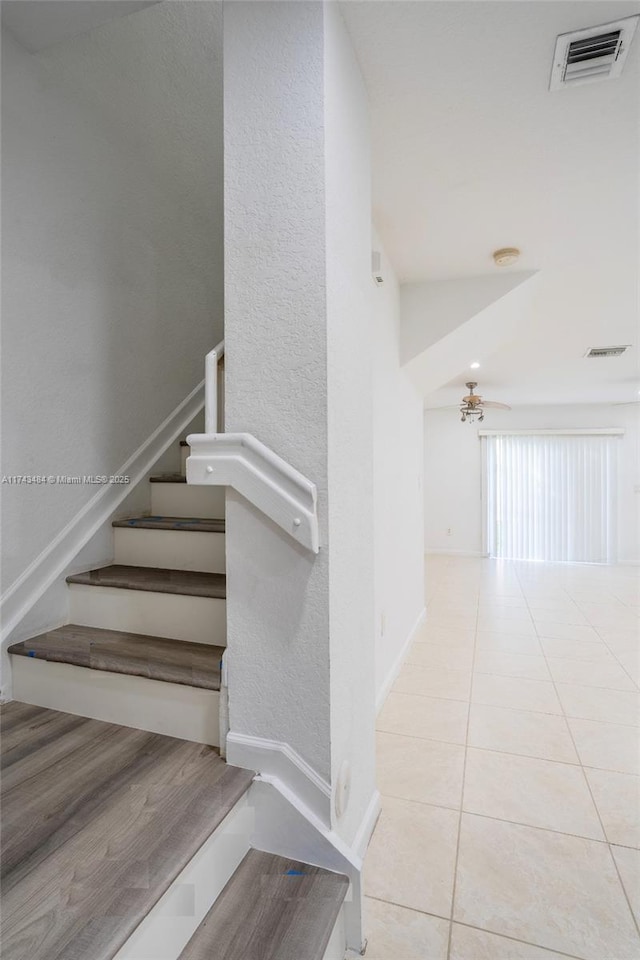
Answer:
x=449 y=532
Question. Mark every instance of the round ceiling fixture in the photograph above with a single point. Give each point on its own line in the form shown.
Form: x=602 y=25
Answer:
x=505 y=256
x=475 y=365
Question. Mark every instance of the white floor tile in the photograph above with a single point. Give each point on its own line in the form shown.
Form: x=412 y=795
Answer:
x=539 y=793
x=468 y=943
x=433 y=655
x=428 y=717
x=426 y=771
x=411 y=857
x=596 y=703
x=536 y=695
x=565 y=631
x=628 y=863
x=617 y=797
x=521 y=732
x=434 y=682
x=396 y=933
x=605 y=673
x=557 y=891
x=608 y=746
x=507 y=643
x=511 y=665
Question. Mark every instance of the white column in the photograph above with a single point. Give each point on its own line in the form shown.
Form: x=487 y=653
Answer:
x=298 y=361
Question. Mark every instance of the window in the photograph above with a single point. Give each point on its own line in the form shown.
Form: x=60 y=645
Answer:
x=550 y=496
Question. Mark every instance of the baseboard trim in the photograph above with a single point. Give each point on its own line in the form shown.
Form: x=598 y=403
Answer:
x=54 y=559
x=397 y=664
x=368 y=825
x=273 y=759
x=433 y=551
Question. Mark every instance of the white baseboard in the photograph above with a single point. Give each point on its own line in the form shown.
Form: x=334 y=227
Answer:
x=171 y=709
x=271 y=758
x=368 y=824
x=397 y=664
x=170 y=924
x=434 y=551
x=59 y=554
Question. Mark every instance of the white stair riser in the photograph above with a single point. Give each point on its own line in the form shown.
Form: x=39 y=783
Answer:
x=174 y=549
x=336 y=948
x=173 y=615
x=187 y=500
x=168 y=927
x=172 y=709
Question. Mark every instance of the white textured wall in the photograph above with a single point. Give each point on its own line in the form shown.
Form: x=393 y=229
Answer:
x=112 y=250
x=453 y=470
x=350 y=340
x=276 y=382
x=398 y=487
x=299 y=335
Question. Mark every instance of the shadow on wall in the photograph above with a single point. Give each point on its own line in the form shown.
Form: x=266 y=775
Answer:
x=112 y=251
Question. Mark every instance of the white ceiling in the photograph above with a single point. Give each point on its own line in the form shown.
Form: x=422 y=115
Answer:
x=472 y=152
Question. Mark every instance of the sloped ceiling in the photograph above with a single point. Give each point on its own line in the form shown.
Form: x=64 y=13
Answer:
x=472 y=152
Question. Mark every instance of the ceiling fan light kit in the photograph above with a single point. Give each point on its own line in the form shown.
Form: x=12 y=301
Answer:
x=473 y=405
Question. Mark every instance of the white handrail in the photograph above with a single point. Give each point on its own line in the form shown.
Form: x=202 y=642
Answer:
x=240 y=461
x=211 y=388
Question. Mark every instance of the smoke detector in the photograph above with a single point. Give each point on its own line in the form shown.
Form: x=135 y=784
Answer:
x=607 y=351
x=506 y=256
x=595 y=53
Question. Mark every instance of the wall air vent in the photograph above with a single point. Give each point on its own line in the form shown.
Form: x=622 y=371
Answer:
x=607 y=351
x=596 y=53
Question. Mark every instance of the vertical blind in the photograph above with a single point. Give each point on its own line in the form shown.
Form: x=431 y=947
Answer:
x=550 y=497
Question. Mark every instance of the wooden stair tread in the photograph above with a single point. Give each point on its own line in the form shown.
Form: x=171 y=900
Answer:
x=98 y=821
x=168 y=478
x=156 y=658
x=272 y=908
x=156 y=579
x=190 y=524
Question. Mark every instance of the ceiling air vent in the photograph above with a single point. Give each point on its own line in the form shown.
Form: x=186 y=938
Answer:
x=596 y=53
x=606 y=351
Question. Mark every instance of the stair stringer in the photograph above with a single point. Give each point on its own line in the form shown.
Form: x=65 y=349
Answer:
x=241 y=461
x=284 y=825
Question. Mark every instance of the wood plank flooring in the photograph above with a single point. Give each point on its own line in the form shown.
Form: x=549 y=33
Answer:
x=188 y=524
x=272 y=908
x=191 y=583
x=157 y=658
x=97 y=821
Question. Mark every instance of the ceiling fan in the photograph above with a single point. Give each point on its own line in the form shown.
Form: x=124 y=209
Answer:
x=473 y=405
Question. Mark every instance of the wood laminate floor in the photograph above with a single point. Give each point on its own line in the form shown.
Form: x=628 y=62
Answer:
x=156 y=658
x=272 y=908
x=187 y=524
x=156 y=579
x=97 y=821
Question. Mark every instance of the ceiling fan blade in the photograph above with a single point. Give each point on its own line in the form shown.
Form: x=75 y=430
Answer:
x=495 y=406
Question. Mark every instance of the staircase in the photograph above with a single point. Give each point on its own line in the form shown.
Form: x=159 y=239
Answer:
x=125 y=835
x=146 y=636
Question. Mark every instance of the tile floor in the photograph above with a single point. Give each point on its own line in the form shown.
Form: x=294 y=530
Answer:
x=508 y=762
